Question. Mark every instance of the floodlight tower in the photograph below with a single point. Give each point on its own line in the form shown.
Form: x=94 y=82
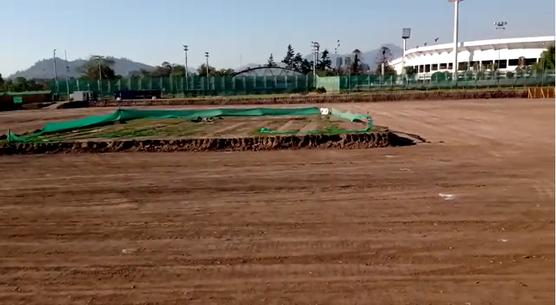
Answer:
x=99 y=59
x=67 y=73
x=406 y=34
x=456 y=34
x=336 y=55
x=500 y=26
x=207 y=68
x=185 y=49
x=316 y=47
x=55 y=70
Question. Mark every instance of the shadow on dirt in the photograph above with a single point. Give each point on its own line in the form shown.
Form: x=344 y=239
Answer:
x=398 y=138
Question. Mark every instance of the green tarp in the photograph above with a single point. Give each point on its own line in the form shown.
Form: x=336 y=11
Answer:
x=123 y=115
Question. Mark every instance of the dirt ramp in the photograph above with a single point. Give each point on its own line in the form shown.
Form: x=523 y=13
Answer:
x=343 y=141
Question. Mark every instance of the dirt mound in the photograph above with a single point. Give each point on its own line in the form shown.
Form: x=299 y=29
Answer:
x=346 y=141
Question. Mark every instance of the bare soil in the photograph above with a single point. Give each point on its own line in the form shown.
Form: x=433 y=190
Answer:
x=465 y=219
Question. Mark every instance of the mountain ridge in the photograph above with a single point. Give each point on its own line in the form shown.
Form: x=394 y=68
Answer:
x=44 y=69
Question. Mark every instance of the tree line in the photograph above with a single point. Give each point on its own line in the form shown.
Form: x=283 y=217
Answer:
x=20 y=84
x=324 y=67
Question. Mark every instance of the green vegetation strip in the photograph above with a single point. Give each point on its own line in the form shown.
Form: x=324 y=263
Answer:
x=125 y=115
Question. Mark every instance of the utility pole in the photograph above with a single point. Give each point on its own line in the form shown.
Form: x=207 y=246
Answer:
x=185 y=49
x=456 y=34
x=55 y=72
x=67 y=73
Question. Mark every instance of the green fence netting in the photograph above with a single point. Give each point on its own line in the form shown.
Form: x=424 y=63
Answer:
x=124 y=115
x=343 y=115
x=174 y=86
x=191 y=86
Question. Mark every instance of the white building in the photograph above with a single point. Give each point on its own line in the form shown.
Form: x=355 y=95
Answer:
x=480 y=55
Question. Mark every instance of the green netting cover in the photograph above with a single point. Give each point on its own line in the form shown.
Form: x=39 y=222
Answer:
x=344 y=115
x=123 y=115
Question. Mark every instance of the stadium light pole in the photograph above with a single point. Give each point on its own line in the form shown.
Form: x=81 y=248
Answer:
x=456 y=34
x=207 y=67
x=406 y=34
x=185 y=49
x=55 y=71
x=67 y=73
x=336 y=56
x=500 y=26
x=99 y=60
x=316 y=47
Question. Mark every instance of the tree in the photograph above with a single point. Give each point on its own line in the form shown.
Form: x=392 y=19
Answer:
x=140 y=73
x=225 y=72
x=297 y=62
x=410 y=71
x=21 y=84
x=164 y=70
x=202 y=70
x=289 y=59
x=94 y=66
x=178 y=70
x=546 y=62
x=383 y=58
x=301 y=65
x=356 y=65
x=325 y=62
x=270 y=62
x=1 y=82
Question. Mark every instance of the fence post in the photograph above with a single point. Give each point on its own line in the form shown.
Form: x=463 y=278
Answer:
x=254 y=82
x=77 y=83
x=264 y=80
x=306 y=82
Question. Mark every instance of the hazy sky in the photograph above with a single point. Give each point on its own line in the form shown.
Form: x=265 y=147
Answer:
x=248 y=30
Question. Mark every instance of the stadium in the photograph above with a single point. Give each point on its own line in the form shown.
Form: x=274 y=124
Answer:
x=505 y=55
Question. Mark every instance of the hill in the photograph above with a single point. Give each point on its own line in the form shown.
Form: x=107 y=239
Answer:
x=44 y=69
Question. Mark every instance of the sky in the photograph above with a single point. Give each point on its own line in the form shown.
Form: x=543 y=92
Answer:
x=238 y=32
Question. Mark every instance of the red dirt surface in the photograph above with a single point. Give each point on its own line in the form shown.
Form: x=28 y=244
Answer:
x=465 y=219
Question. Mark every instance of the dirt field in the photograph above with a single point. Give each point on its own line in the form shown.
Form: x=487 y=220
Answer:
x=465 y=219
